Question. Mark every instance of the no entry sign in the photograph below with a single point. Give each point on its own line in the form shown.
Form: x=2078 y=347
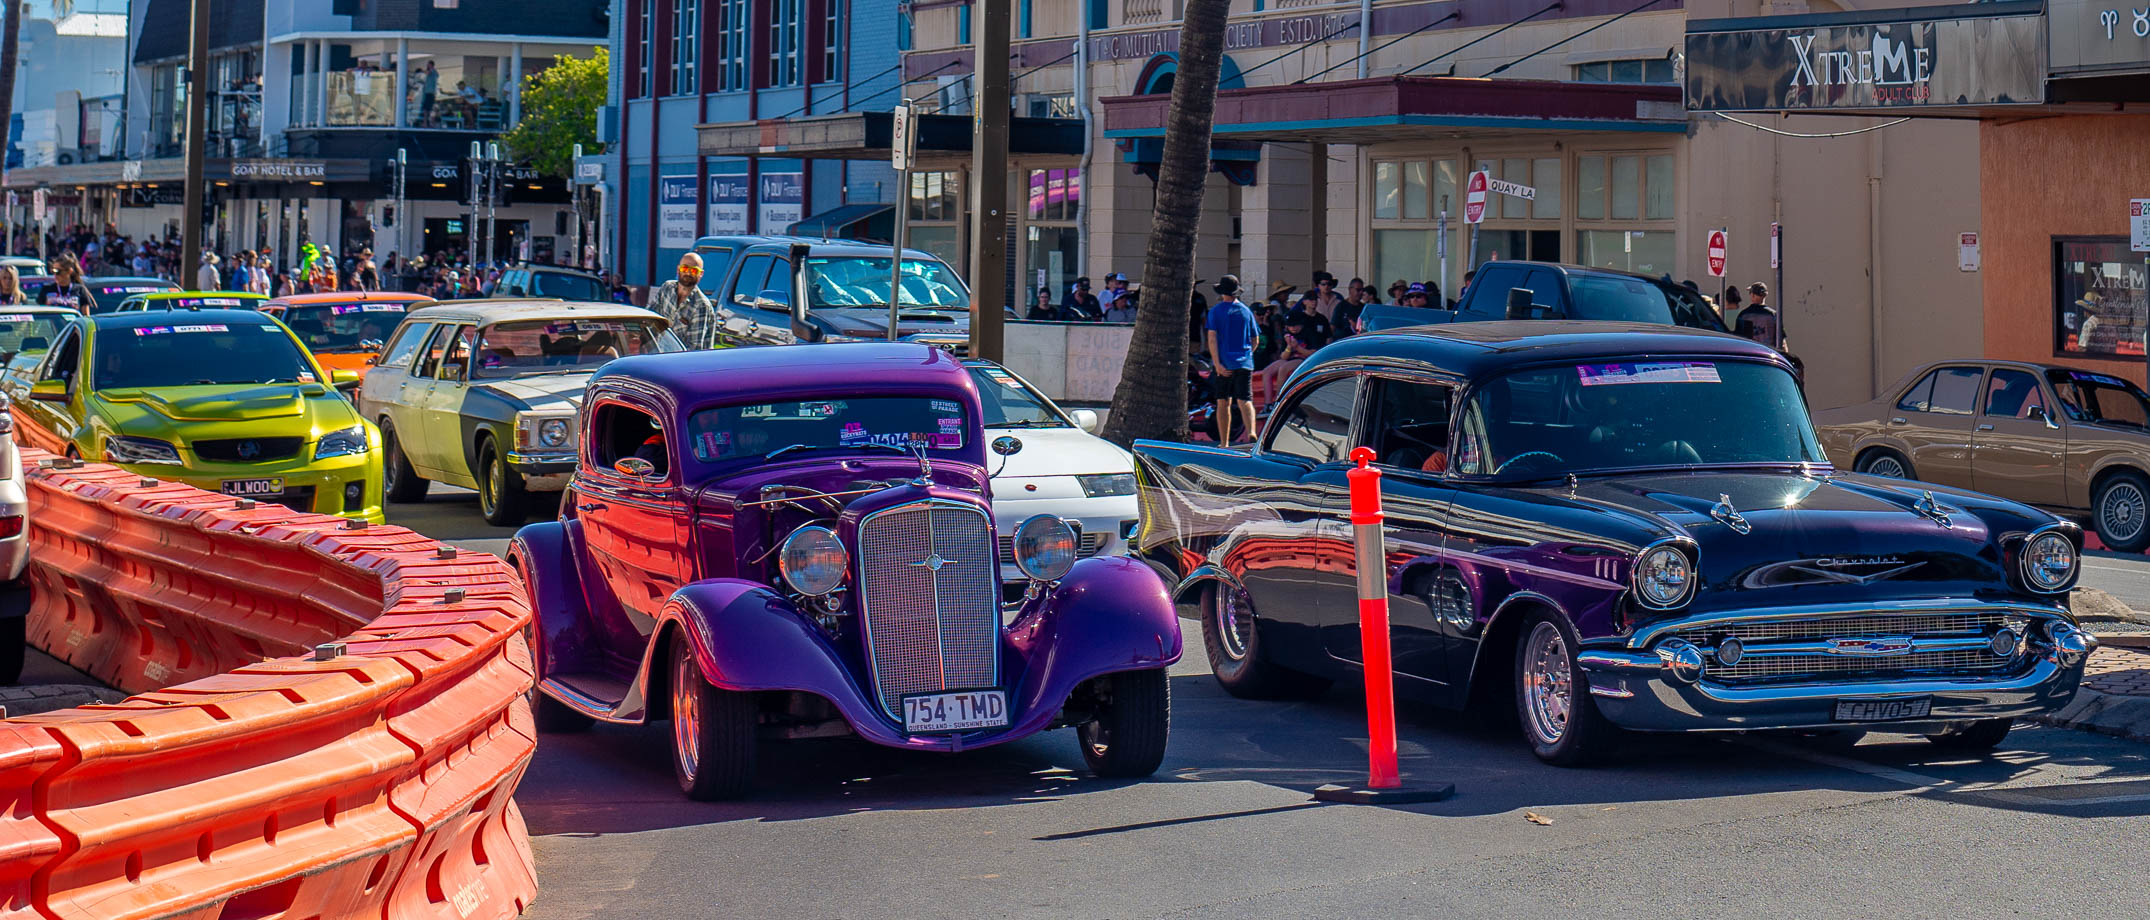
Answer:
x=1474 y=198
x=1716 y=253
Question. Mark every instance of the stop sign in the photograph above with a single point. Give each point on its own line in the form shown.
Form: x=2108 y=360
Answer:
x=1474 y=198
x=1717 y=247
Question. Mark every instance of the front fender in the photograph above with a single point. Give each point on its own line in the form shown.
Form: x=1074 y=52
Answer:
x=545 y=555
x=1187 y=595
x=1107 y=615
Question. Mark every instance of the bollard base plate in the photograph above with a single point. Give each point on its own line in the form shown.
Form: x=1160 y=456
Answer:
x=1406 y=794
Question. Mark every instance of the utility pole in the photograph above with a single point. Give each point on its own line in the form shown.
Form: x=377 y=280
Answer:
x=190 y=233
x=470 y=228
x=403 y=209
x=492 y=198
x=989 y=175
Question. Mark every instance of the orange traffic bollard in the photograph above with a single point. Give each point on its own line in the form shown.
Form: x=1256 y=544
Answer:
x=1384 y=783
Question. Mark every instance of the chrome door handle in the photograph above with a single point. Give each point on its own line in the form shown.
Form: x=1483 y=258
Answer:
x=1985 y=427
x=1899 y=420
x=590 y=506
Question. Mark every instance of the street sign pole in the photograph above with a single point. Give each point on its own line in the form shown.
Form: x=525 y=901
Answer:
x=1776 y=261
x=989 y=173
x=190 y=221
x=1475 y=193
x=900 y=157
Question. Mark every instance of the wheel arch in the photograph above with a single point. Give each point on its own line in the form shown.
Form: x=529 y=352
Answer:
x=1493 y=668
x=1870 y=448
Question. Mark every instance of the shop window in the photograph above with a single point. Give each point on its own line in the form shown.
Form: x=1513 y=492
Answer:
x=1648 y=70
x=2098 y=294
x=1516 y=170
x=784 y=42
x=1626 y=188
x=1388 y=191
x=1649 y=252
x=1590 y=188
x=731 y=44
x=1055 y=194
x=1657 y=188
x=686 y=45
x=644 y=44
x=1545 y=175
x=1417 y=176
x=933 y=196
x=832 y=40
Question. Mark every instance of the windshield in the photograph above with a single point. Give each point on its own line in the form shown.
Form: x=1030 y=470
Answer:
x=860 y=281
x=871 y=423
x=200 y=353
x=567 y=286
x=109 y=294
x=1619 y=298
x=2088 y=397
x=333 y=328
x=570 y=346
x=1571 y=418
x=28 y=333
x=1005 y=403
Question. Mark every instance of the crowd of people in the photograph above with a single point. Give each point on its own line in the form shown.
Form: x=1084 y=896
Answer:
x=76 y=252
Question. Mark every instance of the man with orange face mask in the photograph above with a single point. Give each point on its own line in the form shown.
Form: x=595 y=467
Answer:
x=682 y=302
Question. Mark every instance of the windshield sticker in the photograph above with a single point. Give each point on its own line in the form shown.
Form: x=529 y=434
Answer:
x=128 y=289
x=1002 y=377
x=817 y=410
x=168 y=330
x=343 y=308
x=944 y=405
x=305 y=377
x=210 y=302
x=581 y=327
x=2097 y=378
x=715 y=444
x=1666 y=372
x=17 y=318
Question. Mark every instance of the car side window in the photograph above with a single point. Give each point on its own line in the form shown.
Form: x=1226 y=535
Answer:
x=405 y=347
x=628 y=442
x=1409 y=428
x=1318 y=426
x=1489 y=291
x=65 y=358
x=716 y=260
x=429 y=359
x=752 y=273
x=1545 y=291
x=1920 y=395
x=1950 y=391
x=2013 y=394
x=456 y=364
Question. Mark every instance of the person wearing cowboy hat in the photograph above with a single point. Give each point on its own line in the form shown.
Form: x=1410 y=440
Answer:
x=207 y=278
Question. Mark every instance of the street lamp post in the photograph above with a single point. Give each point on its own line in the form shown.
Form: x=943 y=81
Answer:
x=470 y=224
x=492 y=199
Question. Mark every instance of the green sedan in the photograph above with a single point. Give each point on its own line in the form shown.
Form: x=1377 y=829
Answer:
x=226 y=400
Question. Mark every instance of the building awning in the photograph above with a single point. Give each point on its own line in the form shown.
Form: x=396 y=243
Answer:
x=1409 y=108
x=265 y=170
x=866 y=136
x=875 y=222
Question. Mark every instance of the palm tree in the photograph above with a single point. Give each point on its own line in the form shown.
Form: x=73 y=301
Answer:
x=1152 y=399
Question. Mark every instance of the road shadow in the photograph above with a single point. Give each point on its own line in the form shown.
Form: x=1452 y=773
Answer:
x=451 y=515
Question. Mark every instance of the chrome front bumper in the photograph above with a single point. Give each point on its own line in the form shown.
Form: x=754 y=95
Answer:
x=1658 y=681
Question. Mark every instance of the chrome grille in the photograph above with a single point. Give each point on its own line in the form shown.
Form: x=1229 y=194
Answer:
x=1759 y=668
x=927 y=630
x=1088 y=544
x=1922 y=624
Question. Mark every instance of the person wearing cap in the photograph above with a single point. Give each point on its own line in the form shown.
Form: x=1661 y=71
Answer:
x=1115 y=288
x=1080 y=304
x=1230 y=333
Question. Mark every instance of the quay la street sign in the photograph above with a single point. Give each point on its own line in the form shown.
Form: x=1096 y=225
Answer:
x=1970 y=60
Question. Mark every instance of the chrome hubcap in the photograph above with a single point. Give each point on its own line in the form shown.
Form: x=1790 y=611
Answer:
x=1887 y=467
x=2121 y=515
x=686 y=720
x=1548 y=687
x=492 y=482
x=1235 y=624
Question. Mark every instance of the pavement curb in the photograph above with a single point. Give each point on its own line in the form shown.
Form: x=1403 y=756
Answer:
x=2094 y=604
x=2103 y=713
x=22 y=701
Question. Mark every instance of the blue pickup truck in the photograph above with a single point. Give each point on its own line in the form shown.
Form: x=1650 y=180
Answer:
x=1551 y=290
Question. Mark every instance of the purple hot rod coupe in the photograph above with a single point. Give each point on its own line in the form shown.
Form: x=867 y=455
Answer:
x=798 y=542
x=1611 y=526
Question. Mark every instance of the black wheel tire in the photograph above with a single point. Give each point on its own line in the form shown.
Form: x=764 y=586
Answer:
x=2119 y=510
x=713 y=744
x=551 y=715
x=1235 y=653
x=1134 y=720
x=1887 y=464
x=500 y=490
x=403 y=485
x=1983 y=735
x=1559 y=717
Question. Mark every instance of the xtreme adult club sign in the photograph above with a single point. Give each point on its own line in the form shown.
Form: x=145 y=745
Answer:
x=1814 y=63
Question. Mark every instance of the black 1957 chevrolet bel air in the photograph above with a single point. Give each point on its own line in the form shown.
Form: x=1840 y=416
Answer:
x=1616 y=527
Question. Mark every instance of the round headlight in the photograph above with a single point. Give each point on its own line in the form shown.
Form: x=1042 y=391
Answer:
x=813 y=561
x=1664 y=577
x=2049 y=562
x=552 y=432
x=1044 y=547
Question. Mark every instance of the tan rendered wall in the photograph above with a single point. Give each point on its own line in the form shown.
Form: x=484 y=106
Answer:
x=2048 y=177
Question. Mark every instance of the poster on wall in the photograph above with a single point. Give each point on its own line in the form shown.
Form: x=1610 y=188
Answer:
x=676 y=205
x=728 y=203
x=783 y=200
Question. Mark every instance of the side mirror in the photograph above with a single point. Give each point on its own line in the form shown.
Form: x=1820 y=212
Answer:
x=344 y=378
x=1008 y=445
x=1519 y=306
x=1085 y=419
x=774 y=299
x=2039 y=413
x=635 y=466
x=49 y=390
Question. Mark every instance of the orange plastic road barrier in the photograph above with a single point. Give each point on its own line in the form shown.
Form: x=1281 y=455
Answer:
x=376 y=783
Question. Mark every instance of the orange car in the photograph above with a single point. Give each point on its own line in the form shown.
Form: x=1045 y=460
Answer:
x=344 y=329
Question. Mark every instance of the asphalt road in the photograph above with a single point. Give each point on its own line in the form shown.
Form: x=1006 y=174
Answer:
x=2052 y=825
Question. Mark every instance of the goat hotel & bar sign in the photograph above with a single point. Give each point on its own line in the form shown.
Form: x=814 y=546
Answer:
x=1852 y=61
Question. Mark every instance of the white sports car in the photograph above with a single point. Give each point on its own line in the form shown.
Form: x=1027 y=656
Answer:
x=1062 y=469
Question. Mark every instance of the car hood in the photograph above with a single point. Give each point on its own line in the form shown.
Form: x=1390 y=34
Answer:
x=541 y=391
x=872 y=322
x=1818 y=539
x=1067 y=451
x=235 y=403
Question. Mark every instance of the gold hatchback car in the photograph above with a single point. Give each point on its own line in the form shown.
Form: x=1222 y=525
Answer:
x=2073 y=442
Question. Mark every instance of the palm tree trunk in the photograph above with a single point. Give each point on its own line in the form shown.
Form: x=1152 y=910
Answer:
x=10 y=47
x=1151 y=401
